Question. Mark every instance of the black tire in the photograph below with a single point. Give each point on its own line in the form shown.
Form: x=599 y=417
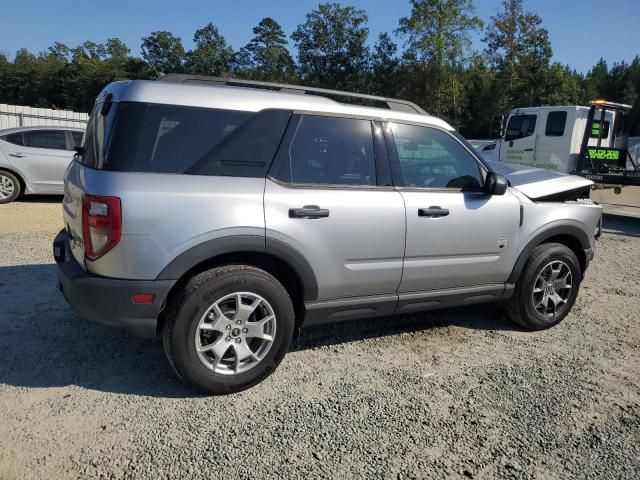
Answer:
x=188 y=307
x=520 y=307
x=17 y=186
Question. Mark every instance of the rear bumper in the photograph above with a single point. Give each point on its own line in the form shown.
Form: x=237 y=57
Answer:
x=108 y=300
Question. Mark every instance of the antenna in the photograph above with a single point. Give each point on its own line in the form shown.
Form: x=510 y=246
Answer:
x=146 y=57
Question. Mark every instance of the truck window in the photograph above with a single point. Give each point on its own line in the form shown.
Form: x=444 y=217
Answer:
x=520 y=126
x=555 y=124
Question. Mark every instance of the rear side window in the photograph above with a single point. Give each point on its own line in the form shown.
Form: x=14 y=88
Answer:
x=15 y=138
x=520 y=126
x=54 y=139
x=176 y=139
x=331 y=151
x=77 y=138
x=555 y=124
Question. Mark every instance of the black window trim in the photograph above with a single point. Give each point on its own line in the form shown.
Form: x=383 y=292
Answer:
x=279 y=164
x=396 y=171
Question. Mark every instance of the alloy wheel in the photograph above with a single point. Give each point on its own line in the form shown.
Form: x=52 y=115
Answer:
x=235 y=333
x=552 y=288
x=7 y=187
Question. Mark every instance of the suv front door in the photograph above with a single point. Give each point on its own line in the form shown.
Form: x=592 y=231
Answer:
x=457 y=235
x=329 y=196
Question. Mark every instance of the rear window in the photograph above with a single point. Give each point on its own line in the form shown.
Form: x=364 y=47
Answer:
x=175 y=139
x=555 y=124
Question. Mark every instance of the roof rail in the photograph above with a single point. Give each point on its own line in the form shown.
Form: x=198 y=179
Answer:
x=391 y=103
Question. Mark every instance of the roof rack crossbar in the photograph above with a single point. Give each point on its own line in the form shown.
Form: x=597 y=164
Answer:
x=392 y=103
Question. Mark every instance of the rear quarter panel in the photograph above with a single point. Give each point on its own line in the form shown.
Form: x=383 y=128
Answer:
x=163 y=215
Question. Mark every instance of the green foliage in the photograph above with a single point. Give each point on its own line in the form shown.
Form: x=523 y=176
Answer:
x=519 y=49
x=436 y=68
x=165 y=51
x=266 y=56
x=332 y=50
x=211 y=55
x=438 y=41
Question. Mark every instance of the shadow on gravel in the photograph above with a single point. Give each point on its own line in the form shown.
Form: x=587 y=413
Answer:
x=621 y=225
x=476 y=317
x=40 y=199
x=44 y=344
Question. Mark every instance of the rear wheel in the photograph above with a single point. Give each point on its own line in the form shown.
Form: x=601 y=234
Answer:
x=228 y=329
x=547 y=287
x=9 y=187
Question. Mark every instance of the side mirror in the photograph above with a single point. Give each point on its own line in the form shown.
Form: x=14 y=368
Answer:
x=496 y=184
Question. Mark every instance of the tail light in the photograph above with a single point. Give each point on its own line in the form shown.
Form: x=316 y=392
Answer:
x=101 y=224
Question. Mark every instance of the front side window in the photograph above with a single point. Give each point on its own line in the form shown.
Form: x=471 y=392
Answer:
x=430 y=158
x=520 y=126
x=555 y=124
x=332 y=151
x=54 y=139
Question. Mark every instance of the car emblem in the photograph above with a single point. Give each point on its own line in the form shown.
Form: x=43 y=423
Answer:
x=502 y=242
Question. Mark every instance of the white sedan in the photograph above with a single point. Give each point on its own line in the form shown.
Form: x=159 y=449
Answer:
x=33 y=159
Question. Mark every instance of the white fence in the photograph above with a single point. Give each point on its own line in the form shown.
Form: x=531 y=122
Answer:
x=17 y=116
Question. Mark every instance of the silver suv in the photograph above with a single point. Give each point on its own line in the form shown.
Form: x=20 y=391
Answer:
x=223 y=215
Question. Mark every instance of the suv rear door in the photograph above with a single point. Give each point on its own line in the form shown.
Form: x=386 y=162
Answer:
x=457 y=235
x=329 y=196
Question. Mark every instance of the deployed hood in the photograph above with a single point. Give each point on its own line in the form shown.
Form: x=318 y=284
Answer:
x=537 y=183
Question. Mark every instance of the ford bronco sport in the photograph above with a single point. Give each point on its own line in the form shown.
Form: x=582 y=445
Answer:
x=223 y=214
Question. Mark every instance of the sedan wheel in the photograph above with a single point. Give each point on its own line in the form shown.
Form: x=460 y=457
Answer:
x=9 y=187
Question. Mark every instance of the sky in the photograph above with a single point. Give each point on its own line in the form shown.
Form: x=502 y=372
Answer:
x=577 y=39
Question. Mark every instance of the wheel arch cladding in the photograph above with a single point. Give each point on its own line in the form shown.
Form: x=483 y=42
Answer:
x=572 y=237
x=281 y=260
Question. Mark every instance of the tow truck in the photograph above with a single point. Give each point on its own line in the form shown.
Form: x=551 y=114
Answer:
x=592 y=142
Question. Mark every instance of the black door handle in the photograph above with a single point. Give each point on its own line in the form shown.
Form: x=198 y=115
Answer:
x=528 y=149
x=308 y=211
x=432 y=212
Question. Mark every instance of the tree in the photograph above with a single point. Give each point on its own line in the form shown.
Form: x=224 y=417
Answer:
x=385 y=67
x=438 y=39
x=266 y=56
x=332 y=49
x=211 y=55
x=518 y=47
x=164 y=51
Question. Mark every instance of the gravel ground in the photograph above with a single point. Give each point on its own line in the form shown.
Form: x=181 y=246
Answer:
x=459 y=393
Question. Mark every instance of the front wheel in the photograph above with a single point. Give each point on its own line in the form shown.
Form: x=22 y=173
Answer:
x=228 y=329
x=547 y=287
